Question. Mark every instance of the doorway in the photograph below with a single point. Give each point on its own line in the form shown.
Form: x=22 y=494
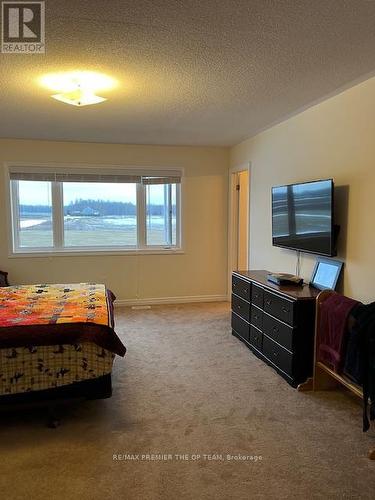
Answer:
x=239 y=186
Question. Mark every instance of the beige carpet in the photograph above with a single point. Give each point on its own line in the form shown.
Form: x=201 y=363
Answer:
x=188 y=387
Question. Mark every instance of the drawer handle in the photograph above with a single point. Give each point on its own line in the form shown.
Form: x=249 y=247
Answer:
x=275 y=354
x=245 y=290
x=275 y=329
x=256 y=316
x=268 y=302
x=238 y=306
x=285 y=309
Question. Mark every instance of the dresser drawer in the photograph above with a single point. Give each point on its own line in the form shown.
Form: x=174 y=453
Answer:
x=278 y=355
x=241 y=307
x=257 y=296
x=241 y=287
x=279 y=307
x=256 y=317
x=281 y=333
x=256 y=338
x=240 y=326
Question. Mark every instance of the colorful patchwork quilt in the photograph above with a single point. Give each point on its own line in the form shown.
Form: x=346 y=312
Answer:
x=58 y=314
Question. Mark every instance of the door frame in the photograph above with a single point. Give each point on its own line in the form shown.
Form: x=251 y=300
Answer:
x=231 y=221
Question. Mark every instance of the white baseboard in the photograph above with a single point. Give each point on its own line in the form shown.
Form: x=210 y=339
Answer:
x=171 y=300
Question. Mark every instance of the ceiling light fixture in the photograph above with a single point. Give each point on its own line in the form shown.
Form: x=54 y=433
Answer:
x=78 y=88
x=79 y=97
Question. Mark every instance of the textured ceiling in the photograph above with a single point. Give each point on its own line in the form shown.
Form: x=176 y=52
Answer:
x=209 y=72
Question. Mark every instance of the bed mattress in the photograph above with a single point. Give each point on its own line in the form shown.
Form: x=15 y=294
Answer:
x=35 y=368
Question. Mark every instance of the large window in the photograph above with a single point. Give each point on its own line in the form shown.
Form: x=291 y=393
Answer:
x=60 y=211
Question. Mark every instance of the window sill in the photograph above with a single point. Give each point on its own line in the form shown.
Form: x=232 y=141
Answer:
x=95 y=253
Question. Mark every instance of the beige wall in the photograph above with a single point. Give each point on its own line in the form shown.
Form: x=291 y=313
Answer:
x=201 y=271
x=333 y=139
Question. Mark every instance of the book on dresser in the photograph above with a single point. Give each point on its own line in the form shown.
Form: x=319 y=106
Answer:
x=276 y=322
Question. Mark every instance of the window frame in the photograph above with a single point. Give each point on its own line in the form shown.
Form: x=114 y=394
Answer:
x=58 y=223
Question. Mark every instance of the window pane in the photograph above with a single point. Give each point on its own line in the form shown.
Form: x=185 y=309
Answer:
x=99 y=214
x=35 y=214
x=174 y=214
x=161 y=214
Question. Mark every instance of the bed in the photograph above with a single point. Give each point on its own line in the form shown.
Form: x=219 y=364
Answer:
x=56 y=341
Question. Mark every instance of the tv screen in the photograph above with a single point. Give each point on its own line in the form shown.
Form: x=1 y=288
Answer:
x=302 y=217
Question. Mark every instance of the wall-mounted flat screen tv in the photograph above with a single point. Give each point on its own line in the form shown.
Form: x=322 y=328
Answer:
x=302 y=217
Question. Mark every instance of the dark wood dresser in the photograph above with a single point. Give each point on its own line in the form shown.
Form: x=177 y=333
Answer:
x=275 y=322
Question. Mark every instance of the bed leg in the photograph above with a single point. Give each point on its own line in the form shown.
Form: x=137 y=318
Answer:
x=53 y=420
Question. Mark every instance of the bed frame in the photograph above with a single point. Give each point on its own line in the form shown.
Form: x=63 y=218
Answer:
x=98 y=388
